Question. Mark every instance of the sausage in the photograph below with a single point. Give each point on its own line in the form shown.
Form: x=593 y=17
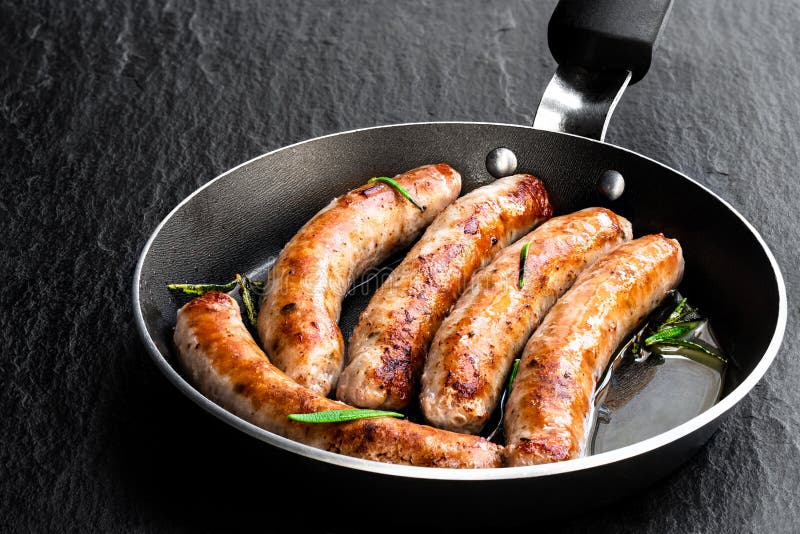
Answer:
x=224 y=362
x=473 y=350
x=547 y=412
x=303 y=295
x=388 y=345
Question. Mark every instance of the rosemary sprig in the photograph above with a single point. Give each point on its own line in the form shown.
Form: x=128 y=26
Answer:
x=245 y=284
x=523 y=256
x=247 y=299
x=676 y=314
x=400 y=189
x=673 y=329
x=691 y=325
x=670 y=332
x=512 y=376
x=254 y=283
x=201 y=289
x=691 y=351
x=339 y=416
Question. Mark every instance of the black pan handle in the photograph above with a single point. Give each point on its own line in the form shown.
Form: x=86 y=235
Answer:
x=603 y=35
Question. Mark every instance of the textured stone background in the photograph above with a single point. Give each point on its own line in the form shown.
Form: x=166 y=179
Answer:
x=111 y=112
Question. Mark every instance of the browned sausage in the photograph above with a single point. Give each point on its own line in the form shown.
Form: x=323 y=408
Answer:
x=297 y=323
x=225 y=364
x=388 y=346
x=472 y=352
x=546 y=414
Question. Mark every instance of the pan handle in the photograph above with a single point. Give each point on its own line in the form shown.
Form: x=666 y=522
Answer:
x=601 y=47
x=607 y=35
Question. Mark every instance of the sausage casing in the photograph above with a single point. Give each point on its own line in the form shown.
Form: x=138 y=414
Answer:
x=223 y=361
x=473 y=350
x=388 y=345
x=551 y=399
x=303 y=295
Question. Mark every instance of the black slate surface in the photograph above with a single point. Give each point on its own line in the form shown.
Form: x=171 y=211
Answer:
x=112 y=112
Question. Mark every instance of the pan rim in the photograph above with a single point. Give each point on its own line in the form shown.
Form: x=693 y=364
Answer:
x=437 y=473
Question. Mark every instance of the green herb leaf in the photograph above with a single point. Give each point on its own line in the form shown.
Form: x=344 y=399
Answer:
x=676 y=314
x=201 y=289
x=253 y=283
x=690 y=345
x=671 y=332
x=512 y=376
x=691 y=325
x=339 y=416
x=700 y=354
x=523 y=256
x=241 y=280
x=247 y=299
x=400 y=189
x=669 y=336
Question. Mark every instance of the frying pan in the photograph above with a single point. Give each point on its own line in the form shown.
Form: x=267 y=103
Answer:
x=240 y=221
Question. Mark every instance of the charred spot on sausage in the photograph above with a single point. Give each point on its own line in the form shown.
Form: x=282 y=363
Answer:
x=471 y=226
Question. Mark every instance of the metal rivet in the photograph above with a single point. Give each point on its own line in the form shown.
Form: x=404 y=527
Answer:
x=501 y=162
x=611 y=185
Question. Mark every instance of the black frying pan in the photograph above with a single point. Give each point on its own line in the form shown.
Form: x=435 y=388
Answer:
x=240 y=221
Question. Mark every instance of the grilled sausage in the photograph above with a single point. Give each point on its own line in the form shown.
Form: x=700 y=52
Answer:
x=388 y=345
x=551 y=398
x=223 y=361
x=473 y=350
x=303 y=296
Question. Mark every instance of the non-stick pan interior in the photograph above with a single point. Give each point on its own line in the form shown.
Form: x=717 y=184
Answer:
x=239 y=222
